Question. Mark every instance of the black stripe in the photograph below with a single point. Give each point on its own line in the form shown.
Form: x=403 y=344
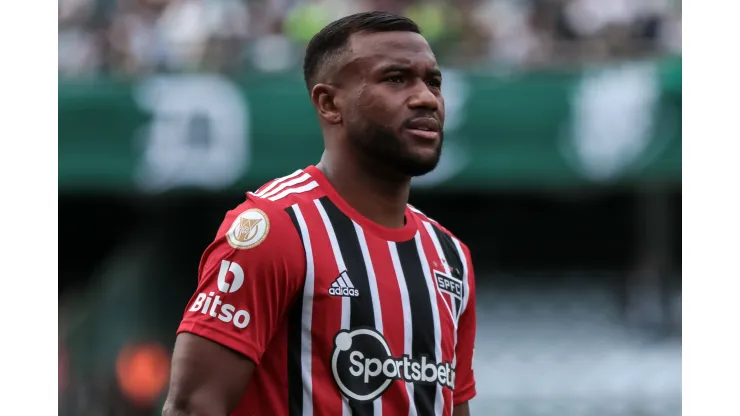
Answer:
x=295 y=329
x=422 y=321
x=453 y=260
x=361 y=307
x=450 y=251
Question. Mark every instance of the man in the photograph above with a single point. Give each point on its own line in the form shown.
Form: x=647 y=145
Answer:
x=325 y=293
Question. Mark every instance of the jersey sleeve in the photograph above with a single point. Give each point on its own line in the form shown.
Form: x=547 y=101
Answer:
x=465 y=377
x=247 y=279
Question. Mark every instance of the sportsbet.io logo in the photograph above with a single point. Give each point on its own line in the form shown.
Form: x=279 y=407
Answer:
x=364 y=368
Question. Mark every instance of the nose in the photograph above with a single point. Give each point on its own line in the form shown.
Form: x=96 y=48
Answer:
x=423 y=98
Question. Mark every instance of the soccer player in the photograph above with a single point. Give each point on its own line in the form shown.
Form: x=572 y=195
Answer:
x=325 y=293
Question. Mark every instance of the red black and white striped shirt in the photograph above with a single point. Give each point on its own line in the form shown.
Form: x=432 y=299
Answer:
x=342 y=316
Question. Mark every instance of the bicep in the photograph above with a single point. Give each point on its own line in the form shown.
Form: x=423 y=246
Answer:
x=207 y=378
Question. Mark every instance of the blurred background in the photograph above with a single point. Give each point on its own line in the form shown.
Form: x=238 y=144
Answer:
x=561 y=170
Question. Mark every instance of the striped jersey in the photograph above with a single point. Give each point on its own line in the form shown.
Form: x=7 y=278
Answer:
x=341 y=316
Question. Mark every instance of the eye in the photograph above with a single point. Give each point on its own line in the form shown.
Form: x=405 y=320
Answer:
x=435 y=83
x=395 y=79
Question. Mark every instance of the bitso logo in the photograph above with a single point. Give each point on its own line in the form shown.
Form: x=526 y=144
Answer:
x=213 y=306
x=364 y=368
x=249 y=229
x=237 y=281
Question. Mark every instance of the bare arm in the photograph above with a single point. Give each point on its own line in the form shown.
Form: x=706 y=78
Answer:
x=461 y=409
x=207 y=379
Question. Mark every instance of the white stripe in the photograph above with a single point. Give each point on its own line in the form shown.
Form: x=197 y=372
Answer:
x=466 y=283
x=407 y=328
x=438 y=398
x=277 y=181
x=441 y=254
x=466 y=287
x=345 y=279
x=305 y=188
x=278 y=189
x=340 y=266
x=378 y=315
x=335 y=284
x=306 y=316
x=340 y=281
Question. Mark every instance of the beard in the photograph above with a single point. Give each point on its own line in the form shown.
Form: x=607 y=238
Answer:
x=383 y=146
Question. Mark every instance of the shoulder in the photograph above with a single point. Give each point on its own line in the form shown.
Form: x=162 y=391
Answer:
x=266 y=215
x=269 y=206
x=422 y=217
x=440 y=231
x=259 y=236
x=288 y=190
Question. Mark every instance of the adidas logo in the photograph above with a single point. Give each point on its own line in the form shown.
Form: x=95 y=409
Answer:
x=342 y=286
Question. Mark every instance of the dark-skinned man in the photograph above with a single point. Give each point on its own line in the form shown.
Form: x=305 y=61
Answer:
x=325 y=292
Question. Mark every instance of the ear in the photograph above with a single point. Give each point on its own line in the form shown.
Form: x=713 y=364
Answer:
x=325 y=99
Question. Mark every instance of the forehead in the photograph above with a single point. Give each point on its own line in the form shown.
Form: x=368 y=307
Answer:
x=377 y=49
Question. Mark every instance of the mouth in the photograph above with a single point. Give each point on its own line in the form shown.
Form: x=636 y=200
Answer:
x=424 y=134
x=425 y=127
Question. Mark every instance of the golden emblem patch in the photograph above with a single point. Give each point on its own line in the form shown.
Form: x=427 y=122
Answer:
x=249 y=229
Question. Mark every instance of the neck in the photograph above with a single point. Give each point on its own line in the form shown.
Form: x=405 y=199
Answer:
x=380 y=198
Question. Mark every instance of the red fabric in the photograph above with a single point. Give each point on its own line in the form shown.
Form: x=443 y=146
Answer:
x=397 y=297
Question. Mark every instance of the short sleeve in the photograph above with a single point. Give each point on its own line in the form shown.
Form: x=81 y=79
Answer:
x=465 y=376
x=248 y=278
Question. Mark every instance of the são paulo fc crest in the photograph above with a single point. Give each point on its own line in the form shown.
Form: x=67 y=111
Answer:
x=452 y=290
x=364 y=367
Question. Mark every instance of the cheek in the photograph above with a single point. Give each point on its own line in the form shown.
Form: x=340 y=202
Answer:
x=378 y=107
x=371 y=103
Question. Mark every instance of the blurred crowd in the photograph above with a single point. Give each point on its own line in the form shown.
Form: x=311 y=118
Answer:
x=137 y=37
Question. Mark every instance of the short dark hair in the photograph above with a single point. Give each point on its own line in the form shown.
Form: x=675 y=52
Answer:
x=331 y=41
